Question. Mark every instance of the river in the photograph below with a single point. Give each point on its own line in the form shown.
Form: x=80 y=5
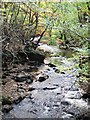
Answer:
x=59 y=96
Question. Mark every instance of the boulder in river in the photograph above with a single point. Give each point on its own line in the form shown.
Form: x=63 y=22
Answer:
x=30 y=55
x=36 y=56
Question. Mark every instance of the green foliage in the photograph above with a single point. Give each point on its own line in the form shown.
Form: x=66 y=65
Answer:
x=65 y=21
x=52 y=40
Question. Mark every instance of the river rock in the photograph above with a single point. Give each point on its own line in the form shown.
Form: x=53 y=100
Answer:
x=29 y=81
x=31 y=89
x=6 y=108
x=86 y=95
x=19 y=99
x=51 y=65
x=57 y=70
x=62 y=72
x=22 y=78
x=65 y=103
x=42 y=77
x=36 y=56
x=30 y=55
x=4 y=81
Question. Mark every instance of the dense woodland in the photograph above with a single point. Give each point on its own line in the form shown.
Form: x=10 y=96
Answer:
x=58 y=23
x=25 y=25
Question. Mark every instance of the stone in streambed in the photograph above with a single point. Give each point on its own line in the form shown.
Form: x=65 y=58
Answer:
x=57 y=70
x=51 y=65
x=43 y=78
x=62 y=72
x=30 y=55
x=19 y=99
x=65 y=103
x=6 y=108
x=35 y=55
x=86 y=95
x=29 y=81
x=31 y=89
x=22 y=78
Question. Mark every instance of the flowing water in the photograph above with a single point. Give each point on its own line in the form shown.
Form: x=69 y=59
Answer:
x=58 y=96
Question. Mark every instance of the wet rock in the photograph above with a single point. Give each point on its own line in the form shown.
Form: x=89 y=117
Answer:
x=29 y=81
x=19 y=99
x=30 y=96
x=6 y=100
x=65 y=103
x=85 y=86
x=34 y=55
x=4 y=81
x=48 y=69
x=74 y=88
x=56 y=85
x=43 y=78
x=62 y=72
x=30 y=69
x=85 y=116
x=55 y=105
x=20 y=90
x=67 y=117
x=22 y=78
x=3 y=76
x=86 y=95
x=57 y=70
x=6 y=108
x=73 y=95
x=31 y=89
x=30 y=55
x=6 y=74
x=58 y=93
x=47 y=88
x=51 y=65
